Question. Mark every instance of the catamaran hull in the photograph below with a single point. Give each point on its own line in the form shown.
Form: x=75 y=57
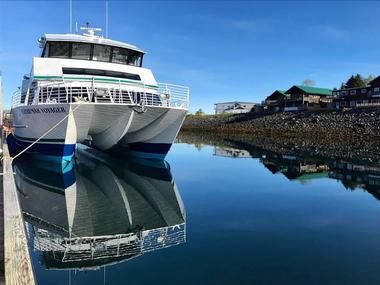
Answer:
x=51 y=131
x=151 y=138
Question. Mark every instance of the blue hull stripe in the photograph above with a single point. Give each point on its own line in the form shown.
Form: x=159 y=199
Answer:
x=55 y=150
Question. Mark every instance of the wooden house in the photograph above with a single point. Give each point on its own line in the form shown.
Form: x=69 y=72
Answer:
x=358 y=97
x=275 y=101
x=307 y=97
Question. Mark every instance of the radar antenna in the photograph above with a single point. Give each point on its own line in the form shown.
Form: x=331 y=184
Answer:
x=90 y=31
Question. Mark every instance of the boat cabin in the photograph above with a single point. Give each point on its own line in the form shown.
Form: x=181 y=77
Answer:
x=73 y=67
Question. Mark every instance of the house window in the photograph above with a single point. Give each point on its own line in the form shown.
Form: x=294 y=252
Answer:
x=344 y=93
x=353 y=92
x=376 y=90
x=364 y=91
x=352 y=103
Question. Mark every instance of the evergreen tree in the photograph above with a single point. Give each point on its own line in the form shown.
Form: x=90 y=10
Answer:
x=199 y=113
x=355 y=82
x=368 y=79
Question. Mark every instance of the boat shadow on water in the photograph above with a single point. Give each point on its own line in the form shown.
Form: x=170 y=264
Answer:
x=98 y=210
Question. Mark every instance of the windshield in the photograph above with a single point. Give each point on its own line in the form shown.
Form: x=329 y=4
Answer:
x=95 y=52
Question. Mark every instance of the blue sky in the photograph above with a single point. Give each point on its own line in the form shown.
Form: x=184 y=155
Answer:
x=222 y=50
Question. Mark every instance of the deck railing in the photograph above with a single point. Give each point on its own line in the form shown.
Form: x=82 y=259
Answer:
x=68 y=249
x=16 y=98
x=95 y=90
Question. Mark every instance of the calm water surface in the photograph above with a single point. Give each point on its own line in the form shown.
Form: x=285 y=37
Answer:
x=212 y=215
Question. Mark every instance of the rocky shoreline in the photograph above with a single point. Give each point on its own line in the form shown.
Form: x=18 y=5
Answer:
x=362 y=124
x=353 y=135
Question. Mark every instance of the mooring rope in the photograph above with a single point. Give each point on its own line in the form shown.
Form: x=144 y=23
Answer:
x=45 y=134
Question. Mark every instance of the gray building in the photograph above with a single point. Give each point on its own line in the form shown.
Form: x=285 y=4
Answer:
x=234 y=107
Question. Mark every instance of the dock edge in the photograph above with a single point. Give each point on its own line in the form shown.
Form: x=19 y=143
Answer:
x=17 y=263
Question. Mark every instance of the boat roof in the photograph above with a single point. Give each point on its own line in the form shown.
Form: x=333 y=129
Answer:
x=89 y=39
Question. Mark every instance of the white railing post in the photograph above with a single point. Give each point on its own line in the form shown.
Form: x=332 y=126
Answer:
x=188 y=98
x=121 y=99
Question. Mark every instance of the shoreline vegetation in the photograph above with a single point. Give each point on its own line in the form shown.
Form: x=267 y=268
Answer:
x=347 y=134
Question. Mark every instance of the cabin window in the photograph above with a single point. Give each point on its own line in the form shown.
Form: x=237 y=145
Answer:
x=134 y=58
x=96 y=52
x=352 y=92
x=45 y=53
x=364 y=91
x=101 y=53
x=119 y=55
x=81 y=51
x=96 y=72
x=59 y=49
x=376 y=90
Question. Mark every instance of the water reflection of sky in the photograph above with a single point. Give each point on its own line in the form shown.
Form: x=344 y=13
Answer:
x=263 y=228
x=246 y=225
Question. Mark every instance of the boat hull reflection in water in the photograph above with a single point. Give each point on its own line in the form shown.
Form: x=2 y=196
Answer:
x=99 y=211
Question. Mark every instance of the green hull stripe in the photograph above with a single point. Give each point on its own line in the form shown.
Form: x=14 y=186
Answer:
x=98 y=79
x=41 y=140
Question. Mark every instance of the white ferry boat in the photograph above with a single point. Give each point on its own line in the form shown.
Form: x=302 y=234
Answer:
x=86 y=88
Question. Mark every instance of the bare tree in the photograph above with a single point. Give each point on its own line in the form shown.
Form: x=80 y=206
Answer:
x=308 y=82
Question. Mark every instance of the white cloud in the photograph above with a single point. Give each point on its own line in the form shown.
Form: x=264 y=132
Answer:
x=253 y=25
x=332 y=33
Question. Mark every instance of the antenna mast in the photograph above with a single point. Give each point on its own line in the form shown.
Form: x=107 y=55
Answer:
x=106 y=18
x=71 y=16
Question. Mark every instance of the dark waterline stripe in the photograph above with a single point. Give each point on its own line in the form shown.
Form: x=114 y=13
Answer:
x=161 y=148
x=42 y=140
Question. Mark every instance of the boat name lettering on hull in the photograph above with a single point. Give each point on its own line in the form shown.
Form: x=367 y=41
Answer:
x=44 y=110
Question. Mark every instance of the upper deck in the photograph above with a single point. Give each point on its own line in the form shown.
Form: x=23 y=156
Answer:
x=93 y=69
